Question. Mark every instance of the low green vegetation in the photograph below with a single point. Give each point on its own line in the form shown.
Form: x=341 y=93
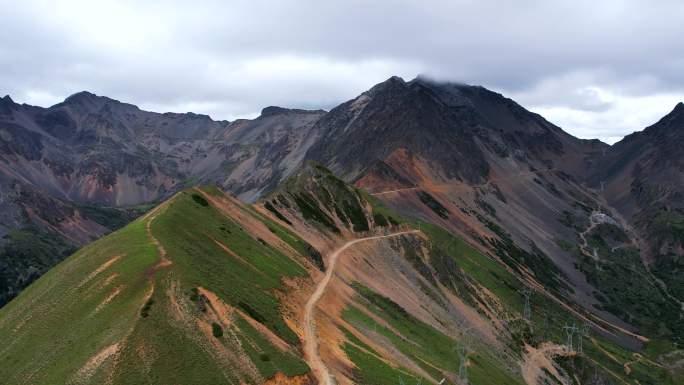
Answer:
x=433 y=204
x=627 y=288
x=60 y=318
x=216 y=330
x=201 y=261
x=479 y=267
x=319 y=196
x=433 y=351
x=25 y=255
x=268 y=358
x=371 y=370
x=114 y=298
x=548 y=316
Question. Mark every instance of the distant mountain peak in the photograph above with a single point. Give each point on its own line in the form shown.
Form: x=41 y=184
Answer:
x=275 y=110
x=82 y=95
x=6 y=105
x=676 y=115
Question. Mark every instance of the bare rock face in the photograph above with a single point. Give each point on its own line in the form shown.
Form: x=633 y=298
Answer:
x=65 y=169
x=454 y=127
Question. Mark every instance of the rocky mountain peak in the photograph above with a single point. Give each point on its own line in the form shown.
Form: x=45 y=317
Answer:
x=89 y=102
x=6 y=104
x=678 y=109
x=81 y=96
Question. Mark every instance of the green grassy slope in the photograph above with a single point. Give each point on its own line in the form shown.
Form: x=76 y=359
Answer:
x=119 y=310
x=193 y=293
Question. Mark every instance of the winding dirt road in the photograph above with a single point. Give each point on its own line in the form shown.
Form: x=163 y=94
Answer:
x=319 y=369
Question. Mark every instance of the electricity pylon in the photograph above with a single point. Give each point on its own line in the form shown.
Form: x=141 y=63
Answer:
x=527 y=309
x=583 y=332
x=462 y=350
x=570 y=332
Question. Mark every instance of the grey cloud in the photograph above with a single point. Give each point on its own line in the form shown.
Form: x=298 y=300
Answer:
x=231 y=58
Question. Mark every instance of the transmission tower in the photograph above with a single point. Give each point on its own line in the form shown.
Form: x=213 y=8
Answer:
x=569 y=332
x=527 y=309
x=583 y=332
x=462 y=364
x=545 y=328
x=401 y=381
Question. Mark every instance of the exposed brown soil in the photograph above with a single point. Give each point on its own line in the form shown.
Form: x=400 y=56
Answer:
x=537 y=361
x=100 y=269
x=109 y=298
x=311 y=352
x=281 y=379
x=95 y=362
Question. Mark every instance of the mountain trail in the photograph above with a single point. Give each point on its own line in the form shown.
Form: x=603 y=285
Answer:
x=163 y=261
x=314 y=360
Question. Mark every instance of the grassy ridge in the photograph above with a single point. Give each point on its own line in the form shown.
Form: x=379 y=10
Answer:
x=189 y=231
x=112 y=297
x=56 y=318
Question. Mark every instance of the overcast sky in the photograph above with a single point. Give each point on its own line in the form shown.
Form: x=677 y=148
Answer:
x=599 y=69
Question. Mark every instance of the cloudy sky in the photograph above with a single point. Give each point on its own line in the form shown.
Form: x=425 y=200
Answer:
x=599 y=69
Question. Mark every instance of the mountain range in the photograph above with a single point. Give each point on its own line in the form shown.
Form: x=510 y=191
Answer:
x=417 y=232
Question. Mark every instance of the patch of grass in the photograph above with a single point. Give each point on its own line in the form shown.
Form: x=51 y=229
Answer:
x=310 y=211
x=379 y=219
x=371 y=370
x=433 y=351
x=483 y=269
x=289 y=237
x=275 y=212
x=268 y=359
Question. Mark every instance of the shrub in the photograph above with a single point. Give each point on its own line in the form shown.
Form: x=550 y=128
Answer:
x=145 y=311
x=216 y=330
x=200 y=200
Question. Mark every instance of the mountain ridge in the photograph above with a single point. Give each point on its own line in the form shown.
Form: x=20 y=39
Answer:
x=586 y=226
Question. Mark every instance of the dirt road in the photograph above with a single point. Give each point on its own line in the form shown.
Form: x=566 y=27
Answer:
x=310 y=342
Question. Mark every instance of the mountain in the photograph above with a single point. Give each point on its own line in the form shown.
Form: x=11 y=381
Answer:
x=454 y=127
x=506 y=180
x=414 y=225
x=204 y=289
x=642 y=178
x=77 y=170
x=98 y=150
